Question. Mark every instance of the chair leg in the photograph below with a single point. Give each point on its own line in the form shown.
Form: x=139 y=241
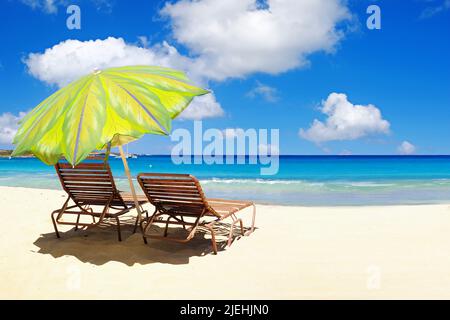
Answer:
x=213 y=239
x=118 y=228
x=54 y=223
x=143 y=231
x=184 y=226
x=252 y=228
x=78 y=220
x=59 y=212
x=137 y=220
x=136 y=224
x=230 y=235
x=167 y=226
x=148 y=225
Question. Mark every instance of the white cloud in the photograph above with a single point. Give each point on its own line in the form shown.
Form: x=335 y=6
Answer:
x=52 y=6
x=71 y=59
x=47 y=6
x=224 y=38
x=103 y=5
x=9 y=126
x=345 y=121
x=406 y=148
x=234 y=38
x=144 y=41
x=269 y=94
x=431 y=11
x=203 y=107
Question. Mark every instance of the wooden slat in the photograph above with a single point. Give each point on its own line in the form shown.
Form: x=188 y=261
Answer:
x=88 y=184
x=93 y=193
x=168 y=181
x=83 y=165
x=178 y=199
x=91 y=190
x=91 y=196
x=151 y=175
x=85 y=178
x=170 y=187
x=174 y=193
x=93 y=187
x=89 y=172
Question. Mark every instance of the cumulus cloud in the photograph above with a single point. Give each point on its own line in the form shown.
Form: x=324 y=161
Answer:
x=52 y=6
x=47 y=6
x=406 y=148
x=203 y=107
x=345 y=121
x=71 y=59
x=224 y=38
x=234 y=38
x=431 y=11
x=269 y=94
x=9 y=126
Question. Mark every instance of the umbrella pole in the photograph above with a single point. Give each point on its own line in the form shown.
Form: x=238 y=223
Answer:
x=133 y=191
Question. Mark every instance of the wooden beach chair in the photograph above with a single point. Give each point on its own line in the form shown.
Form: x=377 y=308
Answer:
x=179 y=198
x=93 y=192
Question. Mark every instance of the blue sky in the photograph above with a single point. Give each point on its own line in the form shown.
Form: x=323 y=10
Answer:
x=287 y=78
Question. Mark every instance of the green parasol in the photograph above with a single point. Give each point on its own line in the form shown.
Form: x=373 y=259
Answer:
x=104 y=109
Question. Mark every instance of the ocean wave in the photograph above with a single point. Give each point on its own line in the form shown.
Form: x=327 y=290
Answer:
x=246 y=181
x=332 y=185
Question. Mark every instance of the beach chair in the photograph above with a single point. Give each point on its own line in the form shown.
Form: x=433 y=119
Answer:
x=93 y=192
x=179 y=198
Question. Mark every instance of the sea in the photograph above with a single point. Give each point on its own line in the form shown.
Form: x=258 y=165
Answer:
x=301 y=180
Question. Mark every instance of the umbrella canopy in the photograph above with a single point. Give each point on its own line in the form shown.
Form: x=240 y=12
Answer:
x=108 y=107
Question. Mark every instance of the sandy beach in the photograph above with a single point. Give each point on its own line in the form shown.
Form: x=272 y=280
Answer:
x=296 y=253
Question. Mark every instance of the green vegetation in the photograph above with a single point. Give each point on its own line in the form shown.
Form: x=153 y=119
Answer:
x=5 y=153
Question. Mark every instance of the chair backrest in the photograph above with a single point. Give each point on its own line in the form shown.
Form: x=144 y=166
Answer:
x=89 y=184
x=174 y=193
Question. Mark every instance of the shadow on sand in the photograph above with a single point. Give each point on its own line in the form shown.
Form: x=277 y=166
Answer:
x=99 y=245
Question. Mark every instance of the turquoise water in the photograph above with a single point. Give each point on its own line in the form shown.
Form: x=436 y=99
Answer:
x=301 y=180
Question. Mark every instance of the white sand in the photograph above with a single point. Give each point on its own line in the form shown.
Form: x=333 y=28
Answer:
x=296 y=253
